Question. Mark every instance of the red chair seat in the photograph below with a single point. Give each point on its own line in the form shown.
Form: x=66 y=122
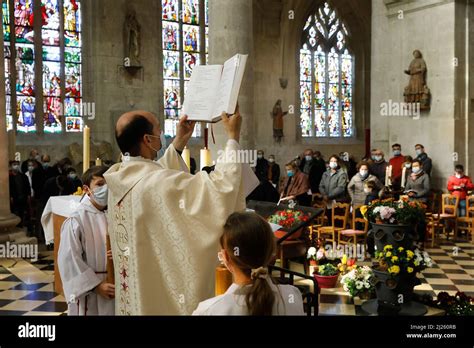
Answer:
x=351 y=232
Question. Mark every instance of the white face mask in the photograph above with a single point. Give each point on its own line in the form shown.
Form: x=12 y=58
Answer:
x=416 y=170
x=363 y=173
x=308 y=158
x=419 y=151
x=408 y=165
x=333 y=165
x=161 y=152
x=459 y=176
x=100 y=195
x=271 y=160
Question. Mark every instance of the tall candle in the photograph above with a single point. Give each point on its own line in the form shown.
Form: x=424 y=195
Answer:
x=87 y=148
x=187 y=157
x=206 y=160
x=404 y=171
x=98 y=162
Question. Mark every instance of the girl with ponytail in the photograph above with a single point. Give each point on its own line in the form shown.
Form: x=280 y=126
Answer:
x=248 y=247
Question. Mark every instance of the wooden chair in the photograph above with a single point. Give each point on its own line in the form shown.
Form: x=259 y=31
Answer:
x=359 y=228
x=340 y=215
x=433 y=224
x=449 y=212
x=466 y=223
x=321 y=220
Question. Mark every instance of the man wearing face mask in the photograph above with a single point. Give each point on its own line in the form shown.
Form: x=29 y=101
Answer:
x=164 y=223
x=378 y=166
x=82 y=256
x=397 y=163
x=261 y=169
x=20 y=192
x=422 y=156
x=314 y=168
x=459 y=185
x=73 y=178
x=34 y=156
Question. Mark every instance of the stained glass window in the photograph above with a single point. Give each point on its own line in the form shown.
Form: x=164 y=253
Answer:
x=326 y=77
x=185 y=45
x=59 y=60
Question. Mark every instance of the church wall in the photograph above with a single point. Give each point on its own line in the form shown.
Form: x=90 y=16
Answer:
x=430 y=27
x=277 y=43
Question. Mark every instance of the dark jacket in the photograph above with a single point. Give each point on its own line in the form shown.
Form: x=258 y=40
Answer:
x=378 y=169
x=261 y=170
x=317 y=168
x=273 y=173
x=426 y=163
x=20 y=189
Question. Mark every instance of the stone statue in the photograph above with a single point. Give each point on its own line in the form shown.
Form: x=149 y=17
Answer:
x=277 y=115
x=417 y=91
x=132 y=40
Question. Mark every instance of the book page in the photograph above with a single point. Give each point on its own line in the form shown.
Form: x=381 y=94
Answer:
x=239 y=76
x=200 y=96
x=225 y=86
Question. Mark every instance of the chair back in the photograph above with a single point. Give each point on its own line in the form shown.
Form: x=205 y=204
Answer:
x=340 y=214
x=450 y=204
x=358 y=221
x=470 y=206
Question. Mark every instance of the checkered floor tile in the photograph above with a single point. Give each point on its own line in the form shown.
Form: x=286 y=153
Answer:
x=26 y=288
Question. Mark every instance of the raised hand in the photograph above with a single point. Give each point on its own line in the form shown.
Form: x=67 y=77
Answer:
x=184 y=131
x=233 y=124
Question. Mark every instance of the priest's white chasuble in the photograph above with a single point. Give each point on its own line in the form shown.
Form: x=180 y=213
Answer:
x=164 y=226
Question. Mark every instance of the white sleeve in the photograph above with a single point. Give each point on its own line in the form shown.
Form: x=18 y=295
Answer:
x=173 y=160
x=77 y=276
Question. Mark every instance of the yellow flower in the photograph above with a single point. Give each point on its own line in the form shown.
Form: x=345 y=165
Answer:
x=416 y=263
x=363 y=210
x=400 y=249
x=388 y=254
x=394 y=259
x=410 y=254
x=394 y=270
x=409 y=269
x=387 y=247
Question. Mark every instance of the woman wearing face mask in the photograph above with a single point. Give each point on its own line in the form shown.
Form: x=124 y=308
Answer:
x=248 y=247
x=357 y=184
x=295 y=186
x=333 y=184
x=418 y=183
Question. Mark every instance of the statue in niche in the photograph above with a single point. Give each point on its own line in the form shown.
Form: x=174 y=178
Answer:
x=132 y=40
x=277 y=115
x=417 y=91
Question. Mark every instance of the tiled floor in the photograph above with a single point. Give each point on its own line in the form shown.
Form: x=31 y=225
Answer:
x=26 y=288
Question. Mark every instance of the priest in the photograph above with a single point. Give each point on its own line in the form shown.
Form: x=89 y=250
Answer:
x=165 y=223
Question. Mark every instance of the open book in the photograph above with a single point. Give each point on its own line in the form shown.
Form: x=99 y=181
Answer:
x=214 y=89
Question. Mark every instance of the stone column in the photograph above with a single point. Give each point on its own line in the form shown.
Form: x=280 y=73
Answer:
x=8 y=221
x=231 y=32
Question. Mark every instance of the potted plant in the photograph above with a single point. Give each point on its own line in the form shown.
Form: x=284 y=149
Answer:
x=396 y=273
x=359 y=282
x=327 y=275
x=288 y=219
x=346 y=265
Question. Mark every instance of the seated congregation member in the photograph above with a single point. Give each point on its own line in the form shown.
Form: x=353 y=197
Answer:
x=379 y=165
x=295 y=186
x=459 y=185
x=333 y=184
x=252 y=292
x=82 y=256
x=356 y=187
x=418 y=183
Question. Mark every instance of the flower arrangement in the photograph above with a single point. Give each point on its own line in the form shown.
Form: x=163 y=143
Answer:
x=346 y=264
x=394 y=212
x=401 y=260
x=327 y=269
x=288 y=218
x=359 y=281
x=459 y=304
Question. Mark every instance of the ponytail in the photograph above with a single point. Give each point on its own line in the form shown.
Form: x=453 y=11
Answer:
x=260 y=298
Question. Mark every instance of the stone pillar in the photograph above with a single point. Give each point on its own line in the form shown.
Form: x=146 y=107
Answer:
x=231 y=32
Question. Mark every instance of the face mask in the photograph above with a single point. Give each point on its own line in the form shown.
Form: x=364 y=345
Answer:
x=364 y=173
x=38 y=158
x=373 y=157
x=46 y=165
x=416 y=170
x=271 y=160
x=408 y=165
x=100 y=195
x=16 y=168
x=161 y=152
x=290 y=173
x=367 y=190
x=378 y=158
x=459 y=176
x=419 y=151
x=308 y=158
x=259 y=156
x=31 y=168
x=333 y=165
x=397 y=152
x=72 y=176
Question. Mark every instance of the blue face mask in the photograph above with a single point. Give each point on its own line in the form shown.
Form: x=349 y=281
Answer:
x=161 y=152
x=100 y=195
x=397 y=152
x=290 y=173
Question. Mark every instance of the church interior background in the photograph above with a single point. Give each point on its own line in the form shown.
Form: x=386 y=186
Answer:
x=335 y=65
